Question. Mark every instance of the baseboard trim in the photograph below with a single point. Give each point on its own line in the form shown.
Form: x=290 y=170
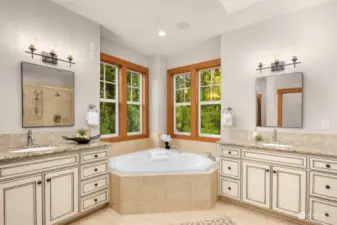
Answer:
x=266 y=211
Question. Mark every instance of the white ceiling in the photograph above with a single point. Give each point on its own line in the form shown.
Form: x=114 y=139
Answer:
x=135 y=23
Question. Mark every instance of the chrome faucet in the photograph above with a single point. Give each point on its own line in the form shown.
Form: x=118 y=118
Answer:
x=30 y=138
x=274 y=136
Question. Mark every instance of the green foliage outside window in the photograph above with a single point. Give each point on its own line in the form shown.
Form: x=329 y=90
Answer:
x=107 y=118
x=183 y=95
x=183 y=119
x=134 y=118
x=211 y=119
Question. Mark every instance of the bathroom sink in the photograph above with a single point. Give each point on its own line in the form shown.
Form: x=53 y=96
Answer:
x=33 y=149
x=275 y=145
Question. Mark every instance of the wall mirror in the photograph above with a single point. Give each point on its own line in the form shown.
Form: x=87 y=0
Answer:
x=47 y=96
x=279 y=101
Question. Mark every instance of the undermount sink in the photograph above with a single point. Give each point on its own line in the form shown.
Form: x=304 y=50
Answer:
x=33 y=149
x=275 y=145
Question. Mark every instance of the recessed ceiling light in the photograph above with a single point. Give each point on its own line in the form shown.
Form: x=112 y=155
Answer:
x=183 y=25
x=162 y=33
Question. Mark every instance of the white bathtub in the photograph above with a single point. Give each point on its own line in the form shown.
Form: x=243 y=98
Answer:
x=177 y=163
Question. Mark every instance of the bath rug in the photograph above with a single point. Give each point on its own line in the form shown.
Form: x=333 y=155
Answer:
x=216 y=221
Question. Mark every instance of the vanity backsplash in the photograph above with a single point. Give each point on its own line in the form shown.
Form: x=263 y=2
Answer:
x=309 y=140
x=41 y=138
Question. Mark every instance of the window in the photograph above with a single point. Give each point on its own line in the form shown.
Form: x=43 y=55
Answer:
x=182 y=104
x=124 y=108
x=210 y=102
x=134 y=80
x=108 y=100
x=194 y=101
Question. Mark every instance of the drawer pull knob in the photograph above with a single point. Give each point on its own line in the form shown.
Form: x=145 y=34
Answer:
x=327 y=214
x=229 y=152
x=96 y=169
x=96 y=185
x=229 y=168
x=327 y=187
x=48 y=180
x=267 y=170
x=96 y=156
x=229 y=188
x=39 y=182
x=328 y=166
x=275 y=172
x=95 y=200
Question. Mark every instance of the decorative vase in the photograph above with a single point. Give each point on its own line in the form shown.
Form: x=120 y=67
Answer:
x=167 y=145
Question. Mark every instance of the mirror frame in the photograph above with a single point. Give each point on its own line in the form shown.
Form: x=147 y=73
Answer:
x=22 y=93
x=256 y=96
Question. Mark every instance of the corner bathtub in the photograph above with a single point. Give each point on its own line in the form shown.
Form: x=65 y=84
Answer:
x=183 y=182
x=177 y=163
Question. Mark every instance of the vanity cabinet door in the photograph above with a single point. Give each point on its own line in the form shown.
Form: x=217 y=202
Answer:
x=21 y=202
x=256 y=184
x=61 y=195
x=289 y=191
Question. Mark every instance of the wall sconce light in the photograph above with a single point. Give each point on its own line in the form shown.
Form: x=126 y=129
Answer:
x=278 y=65
x=51 y=56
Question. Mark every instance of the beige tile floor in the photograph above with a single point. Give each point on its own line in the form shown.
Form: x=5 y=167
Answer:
x=240 y=215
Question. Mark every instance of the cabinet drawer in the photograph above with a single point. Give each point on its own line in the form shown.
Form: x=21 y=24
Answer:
x=278 y=158
x=323 y=165
x=230 y=188
x=36 y=166
x=94 y=200
x=323 y=185
x=229 y=152
x=92 y=170
x=92 y=185
x=323 y=212
x=230 y=167
x=94 y=156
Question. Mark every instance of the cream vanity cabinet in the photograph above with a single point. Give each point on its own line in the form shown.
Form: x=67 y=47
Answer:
x=50 y=191
x=269 y=180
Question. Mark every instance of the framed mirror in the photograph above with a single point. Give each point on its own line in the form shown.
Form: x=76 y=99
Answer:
x=279 y=101
x=47 y=96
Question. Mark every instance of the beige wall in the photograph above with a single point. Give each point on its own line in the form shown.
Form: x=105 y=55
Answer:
x=312 y=33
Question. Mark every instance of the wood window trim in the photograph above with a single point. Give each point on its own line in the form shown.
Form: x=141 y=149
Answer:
x=124 y=66
x=280 y=93
x=193 y=69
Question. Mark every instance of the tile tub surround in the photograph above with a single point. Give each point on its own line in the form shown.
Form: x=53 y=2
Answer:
x=163 y=193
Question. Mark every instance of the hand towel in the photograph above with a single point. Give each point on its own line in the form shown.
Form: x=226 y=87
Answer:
x=92 y=118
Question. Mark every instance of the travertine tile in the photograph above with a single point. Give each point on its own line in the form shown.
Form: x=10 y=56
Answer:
x=153 y=207
x=131 y=189
x=130 y=208
x=154 y=189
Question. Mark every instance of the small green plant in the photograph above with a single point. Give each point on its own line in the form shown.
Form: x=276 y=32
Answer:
x=82 y=133
x=259 y=138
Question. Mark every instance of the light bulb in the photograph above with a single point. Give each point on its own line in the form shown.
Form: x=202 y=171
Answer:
x=277 y=58
x=260 y=60
x=52 y=49
x=294 y=54
x=70 y=52
x=32 y=42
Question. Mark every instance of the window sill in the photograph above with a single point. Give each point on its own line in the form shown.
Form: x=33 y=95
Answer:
x=127 y=138
x=201 y=139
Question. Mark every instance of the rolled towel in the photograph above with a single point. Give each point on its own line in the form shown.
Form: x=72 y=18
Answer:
x=158 y=155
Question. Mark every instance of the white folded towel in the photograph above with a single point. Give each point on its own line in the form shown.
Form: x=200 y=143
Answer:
x=227 y=119
x=93 y=118
x=158 y=155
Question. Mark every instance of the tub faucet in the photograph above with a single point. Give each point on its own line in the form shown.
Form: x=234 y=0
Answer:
x=30 y=138
x=274 y=136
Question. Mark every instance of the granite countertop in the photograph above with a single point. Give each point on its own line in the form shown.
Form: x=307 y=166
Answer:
x=314 y=151
x=7 y=155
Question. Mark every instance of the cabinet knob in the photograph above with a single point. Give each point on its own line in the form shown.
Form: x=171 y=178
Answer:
x=327 y=187
x=327 y=214
x=96 y=169
x=95 y=200
x=39 y=182
x=267 y=170
x=328 y=166
x=48 y=180
x=96 y=185
x=229 y=152
x=275 y=172
x=96 y=156
x=229 y=188
x=229 y=168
